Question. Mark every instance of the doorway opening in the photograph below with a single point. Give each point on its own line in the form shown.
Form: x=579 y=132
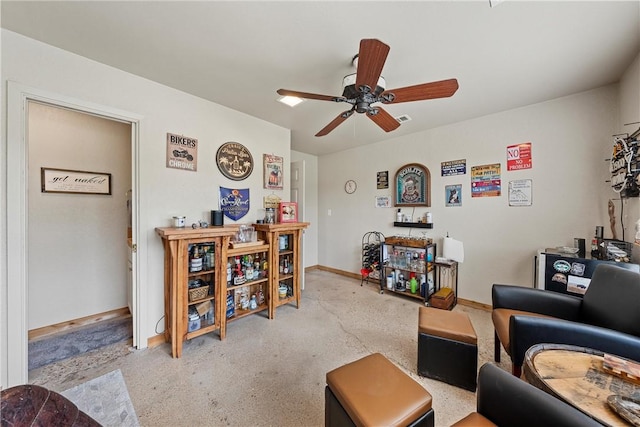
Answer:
x=78 y=181
x=14 y=355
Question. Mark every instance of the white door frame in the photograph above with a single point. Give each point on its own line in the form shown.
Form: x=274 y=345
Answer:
x=14 y=353
x=299 y=180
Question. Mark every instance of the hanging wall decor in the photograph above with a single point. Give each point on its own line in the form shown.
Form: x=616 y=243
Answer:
x=485 y=180
x=453 y=195
x=382 y=180
x=234 y=161
x=519 y=156
x=182 y=152
x=453 y=167
x=520 y=192
x=234 y=202
x=273 y=171
x=413 y=186
x=72 y=181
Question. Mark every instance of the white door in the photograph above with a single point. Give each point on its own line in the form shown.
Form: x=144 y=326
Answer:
x=297 y=195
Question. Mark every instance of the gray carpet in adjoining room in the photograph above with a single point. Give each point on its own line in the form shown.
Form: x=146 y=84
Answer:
x=64 y=345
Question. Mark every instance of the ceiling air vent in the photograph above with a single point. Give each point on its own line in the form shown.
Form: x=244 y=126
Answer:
x=403 y=118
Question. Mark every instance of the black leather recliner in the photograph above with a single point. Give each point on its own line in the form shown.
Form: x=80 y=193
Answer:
x=607 y=318
x=505 y=400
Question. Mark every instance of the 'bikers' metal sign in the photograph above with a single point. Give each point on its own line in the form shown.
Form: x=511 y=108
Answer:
x=182 y=152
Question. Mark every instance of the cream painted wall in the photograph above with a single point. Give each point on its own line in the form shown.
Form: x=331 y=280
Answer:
x=163 y=192
x=570 y=139
x=630 y=115
x=77 y=262
x=311 y=206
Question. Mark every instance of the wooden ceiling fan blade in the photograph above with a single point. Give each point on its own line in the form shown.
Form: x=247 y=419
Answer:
x=306 y=95
x=383 y=119
x=433 y=90
x=335 y=122
x=371 y=58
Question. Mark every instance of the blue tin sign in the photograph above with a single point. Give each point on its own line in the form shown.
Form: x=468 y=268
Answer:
x=234 y=202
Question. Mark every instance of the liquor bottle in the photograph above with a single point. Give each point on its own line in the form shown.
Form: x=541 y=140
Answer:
x=196 y=260
x=265 y=265
x=230 y=304
x=229 y=278
x=260 y=296
x=285 y=269
x=421 y=264
x=253 y=303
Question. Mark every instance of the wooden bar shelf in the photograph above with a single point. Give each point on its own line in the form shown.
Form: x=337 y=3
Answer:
x=413 y=224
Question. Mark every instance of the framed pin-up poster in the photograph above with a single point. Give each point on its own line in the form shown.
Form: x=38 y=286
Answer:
x=413 y=186
x=288 y=212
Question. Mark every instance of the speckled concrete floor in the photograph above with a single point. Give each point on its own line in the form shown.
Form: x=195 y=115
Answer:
x=272 y=372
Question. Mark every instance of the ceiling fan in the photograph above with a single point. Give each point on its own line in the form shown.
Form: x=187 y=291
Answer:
x=367 y=86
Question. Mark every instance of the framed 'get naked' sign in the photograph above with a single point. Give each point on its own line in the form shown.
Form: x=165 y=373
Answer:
x=413 y=186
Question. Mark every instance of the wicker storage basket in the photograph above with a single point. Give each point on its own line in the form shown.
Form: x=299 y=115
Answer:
x=198 y=293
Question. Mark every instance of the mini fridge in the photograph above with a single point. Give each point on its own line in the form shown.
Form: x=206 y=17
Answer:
x=569 y=274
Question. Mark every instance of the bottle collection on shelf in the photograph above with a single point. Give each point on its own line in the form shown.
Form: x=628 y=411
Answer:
x=285 y=268
x=405 y=266
x=201 y=257
x=201 y=260
x=243 y=270
x=246 y=268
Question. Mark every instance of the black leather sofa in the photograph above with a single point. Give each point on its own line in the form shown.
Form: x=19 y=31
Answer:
x=505 y=400
x=607 y=318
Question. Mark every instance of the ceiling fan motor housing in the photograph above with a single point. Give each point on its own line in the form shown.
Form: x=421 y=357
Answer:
x=362 y=97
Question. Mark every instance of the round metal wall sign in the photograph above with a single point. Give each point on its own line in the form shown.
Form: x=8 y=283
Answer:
x=234 y=161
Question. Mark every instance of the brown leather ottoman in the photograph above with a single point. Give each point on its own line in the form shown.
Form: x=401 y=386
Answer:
x=372 y=391
x=447 y=347
x=32 y=405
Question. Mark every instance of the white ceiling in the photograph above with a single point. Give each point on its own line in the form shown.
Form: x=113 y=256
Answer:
x=238 y=53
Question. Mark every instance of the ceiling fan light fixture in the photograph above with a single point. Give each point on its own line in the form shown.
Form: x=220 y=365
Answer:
x=291 y=101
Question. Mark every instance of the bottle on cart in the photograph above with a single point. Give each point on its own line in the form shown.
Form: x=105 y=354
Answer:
x=413 y=285
x=421 y=264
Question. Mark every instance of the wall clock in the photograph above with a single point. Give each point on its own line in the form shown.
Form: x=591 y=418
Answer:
x=350 y=186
